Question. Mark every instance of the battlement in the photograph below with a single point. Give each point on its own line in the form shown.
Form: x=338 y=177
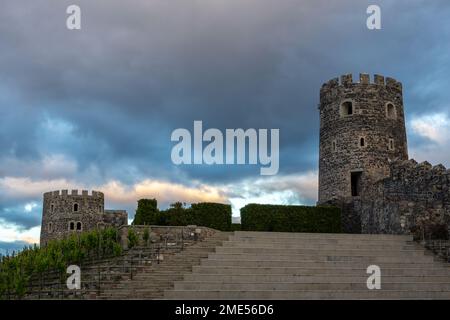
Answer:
x=408 y=169
x=364 y=79
x=65 y=193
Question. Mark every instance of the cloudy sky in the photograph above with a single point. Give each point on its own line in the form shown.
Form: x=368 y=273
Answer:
x=95 y=108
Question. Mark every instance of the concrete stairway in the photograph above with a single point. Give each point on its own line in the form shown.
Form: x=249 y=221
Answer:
x=151 y=281
x=265 y=265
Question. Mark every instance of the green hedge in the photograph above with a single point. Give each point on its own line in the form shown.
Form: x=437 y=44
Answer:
x=258 y=217
x=235 y=227
x=212 y=215
x=206 y=214
x=146 y=212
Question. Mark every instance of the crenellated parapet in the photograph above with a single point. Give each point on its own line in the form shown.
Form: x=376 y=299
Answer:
x=364 y=80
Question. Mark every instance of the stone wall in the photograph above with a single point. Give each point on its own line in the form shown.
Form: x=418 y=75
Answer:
x=83 y=211
x=414 y=196
x=166 y=235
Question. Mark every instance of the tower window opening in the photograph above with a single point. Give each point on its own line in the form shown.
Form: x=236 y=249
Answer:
x=334 y=146
x=362 y=142
x=346 y=108
x=71 y=225
x=52 y=208
x=356 y=183
x=79 y=226
x=100 y=209
x=50 y=227
x=390 y=111
x=391 y=144
x=75 y=207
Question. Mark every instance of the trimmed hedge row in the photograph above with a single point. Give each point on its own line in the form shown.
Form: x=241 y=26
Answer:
x=258 y=217
x=205 y=214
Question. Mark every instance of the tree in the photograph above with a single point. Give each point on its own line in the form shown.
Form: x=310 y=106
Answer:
x=146 y=212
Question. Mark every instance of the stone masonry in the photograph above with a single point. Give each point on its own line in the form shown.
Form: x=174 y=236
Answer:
x=64 y=214
x=363 y=160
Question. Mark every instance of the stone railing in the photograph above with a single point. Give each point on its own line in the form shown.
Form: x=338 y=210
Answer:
x=166 y=235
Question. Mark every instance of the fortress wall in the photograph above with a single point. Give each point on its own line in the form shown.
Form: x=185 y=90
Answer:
x=414 y=196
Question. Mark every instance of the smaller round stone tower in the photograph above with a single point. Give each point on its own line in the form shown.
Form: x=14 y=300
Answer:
x=64 y=213
x=362 y=128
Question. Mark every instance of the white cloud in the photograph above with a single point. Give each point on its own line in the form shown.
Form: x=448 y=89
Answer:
x=11 y=232
x=435 y=127
x=300 y=188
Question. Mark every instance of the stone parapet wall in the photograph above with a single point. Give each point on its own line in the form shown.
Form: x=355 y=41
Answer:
x=166 y=235
x=414 y=196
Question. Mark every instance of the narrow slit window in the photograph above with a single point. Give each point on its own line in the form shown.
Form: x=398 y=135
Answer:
x=75 y=207
x=391 y=144
x=362 y=142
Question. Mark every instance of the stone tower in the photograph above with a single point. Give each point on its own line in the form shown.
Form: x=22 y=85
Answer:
x=64 y=214
x=362 y=129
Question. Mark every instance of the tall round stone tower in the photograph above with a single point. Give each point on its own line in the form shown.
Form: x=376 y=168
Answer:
x=362 y=128
x=64 y=213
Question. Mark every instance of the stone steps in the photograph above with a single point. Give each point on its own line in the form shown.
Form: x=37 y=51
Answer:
x=321 y=270
x=319 y=252
x=305 y=294
x=354 y=285
x=265 y=265
x=366 y=258
x=152 y=281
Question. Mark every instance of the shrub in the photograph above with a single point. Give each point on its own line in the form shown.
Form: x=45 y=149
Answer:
x=257 y=217
x=235 y=227
x=212 y=215
x=146 y=236
x=132 y=238
x=206 y=214
x=16 y=270
x=146 y=212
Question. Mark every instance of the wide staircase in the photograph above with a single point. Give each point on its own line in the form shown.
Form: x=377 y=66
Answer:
x=271 y=265
x=151 y=281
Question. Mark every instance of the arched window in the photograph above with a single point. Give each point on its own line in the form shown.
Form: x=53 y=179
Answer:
x=391 y=112
x=71 y=225
x=79 y=226
x=346 y=109
x=75 y=207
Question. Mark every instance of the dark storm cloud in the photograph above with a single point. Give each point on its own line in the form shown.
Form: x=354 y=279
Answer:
x=108 y=96
x=20 y=217
x=7 y=248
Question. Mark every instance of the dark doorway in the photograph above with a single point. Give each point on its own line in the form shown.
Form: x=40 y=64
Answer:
x=356 y=183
